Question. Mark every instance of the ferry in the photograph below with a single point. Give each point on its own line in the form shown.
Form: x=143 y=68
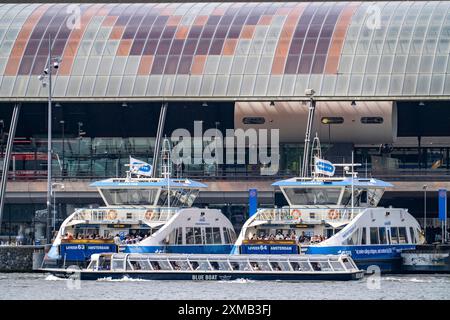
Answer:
x=108 y=266
x=142 y=215
x=329 y=214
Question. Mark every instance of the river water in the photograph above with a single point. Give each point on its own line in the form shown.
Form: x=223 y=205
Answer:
x=45 y=286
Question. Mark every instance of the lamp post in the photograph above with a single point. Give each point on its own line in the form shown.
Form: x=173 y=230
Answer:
x=62 y=122
x=425 y=211
x=52 y=63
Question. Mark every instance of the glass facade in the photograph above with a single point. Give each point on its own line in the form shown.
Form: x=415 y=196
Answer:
x=228 y=49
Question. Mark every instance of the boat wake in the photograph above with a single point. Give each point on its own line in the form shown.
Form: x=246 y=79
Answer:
x=51 y=277
x=237 y=281
x=123 y=279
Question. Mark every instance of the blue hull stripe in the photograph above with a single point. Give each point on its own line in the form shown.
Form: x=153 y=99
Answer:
x=364 y=252
x=203 y=249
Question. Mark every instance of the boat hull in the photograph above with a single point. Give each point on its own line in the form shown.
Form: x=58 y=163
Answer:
x=211 y=276
x=187 y=249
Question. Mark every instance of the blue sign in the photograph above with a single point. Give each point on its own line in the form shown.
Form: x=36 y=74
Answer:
x=269 y=249
x=442 y=204
x=83 y=252
x=252 y=201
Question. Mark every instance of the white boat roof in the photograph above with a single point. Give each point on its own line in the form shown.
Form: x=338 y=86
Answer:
x=148 y=183
x=333 y=182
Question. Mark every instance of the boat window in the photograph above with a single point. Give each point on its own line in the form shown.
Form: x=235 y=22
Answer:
x=260 y=266
x=337 y=266
x=160 y=265
x=178 y=197
x=363 y=196
x=383 y=238
x=353 y=239
x=413 y=237
x=394 y=235
x=232 y=235
x=179 y=236
x=129 y=196
x=280 y=266
x=200 y=265
x=216 y=236
x=226 y=236
x=209 y=236
x=347 y=263
x=240 y=265
x=401 y=235
x=325 y=266
x=198 y=235
x=104 y=263
x=313 y=196
x=316 y=266
x=300 y=266
x=180 y=265
x=363 y=236
x=374 y=196
x=118 y=264
x=374 y=238
x=190 y=236
x=92 y=265
x=143 y=265
x=220 y=265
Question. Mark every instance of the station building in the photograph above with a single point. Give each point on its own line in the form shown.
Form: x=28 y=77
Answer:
x=380 y=73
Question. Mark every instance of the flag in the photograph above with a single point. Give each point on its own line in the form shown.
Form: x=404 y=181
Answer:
x=323 y=167
x=139 y=167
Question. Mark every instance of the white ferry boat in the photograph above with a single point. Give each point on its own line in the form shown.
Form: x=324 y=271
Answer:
x=197 y=267
x=333 y=215
x=143 y=215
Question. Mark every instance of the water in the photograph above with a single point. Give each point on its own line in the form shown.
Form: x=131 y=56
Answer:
x=45 y=286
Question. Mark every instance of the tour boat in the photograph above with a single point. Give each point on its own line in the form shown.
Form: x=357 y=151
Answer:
x=108 y=266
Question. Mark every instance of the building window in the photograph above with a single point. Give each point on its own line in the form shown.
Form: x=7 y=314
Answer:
x=372 y=120
x=253 y=120
x=332 y=120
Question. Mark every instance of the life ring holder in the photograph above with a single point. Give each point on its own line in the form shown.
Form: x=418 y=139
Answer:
x=112 y=215
x=333 y=214
x=149 y=214
x=296 y=214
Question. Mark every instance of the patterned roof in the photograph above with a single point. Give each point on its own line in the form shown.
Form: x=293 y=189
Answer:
x=235 y=50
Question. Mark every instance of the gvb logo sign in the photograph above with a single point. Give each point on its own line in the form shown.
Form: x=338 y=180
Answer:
x=74 y=280
x=373 y=281
x=373 y=15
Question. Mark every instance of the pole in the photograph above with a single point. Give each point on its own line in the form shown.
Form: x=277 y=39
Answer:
x=425 y=211
x=49 y=139
x=312 y=107
x=7 y=157
x=353 y=188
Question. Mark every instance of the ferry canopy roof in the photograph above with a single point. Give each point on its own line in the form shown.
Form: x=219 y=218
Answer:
x=148 y=183
x=357 y=182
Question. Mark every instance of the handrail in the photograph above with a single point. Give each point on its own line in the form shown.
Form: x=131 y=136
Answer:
x=299 y=215
x=126 y=214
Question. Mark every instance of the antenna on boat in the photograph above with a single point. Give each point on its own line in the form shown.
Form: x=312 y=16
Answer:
x=316 y=151
x=166 y=166
x=311 y=110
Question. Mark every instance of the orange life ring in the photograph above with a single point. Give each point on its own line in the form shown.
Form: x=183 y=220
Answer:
x=112 y=215
x=149 y=214
x=296 y=214
x=333 y=214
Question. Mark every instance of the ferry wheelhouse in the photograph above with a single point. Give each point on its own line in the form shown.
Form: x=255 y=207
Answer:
x=333 y=215
x=143 y=215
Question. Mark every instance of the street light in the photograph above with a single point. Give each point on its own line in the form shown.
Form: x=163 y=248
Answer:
x=425 y=211
x=52 y=63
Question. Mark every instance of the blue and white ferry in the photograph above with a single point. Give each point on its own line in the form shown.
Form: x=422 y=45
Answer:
x=333 y=215
x=143 y=215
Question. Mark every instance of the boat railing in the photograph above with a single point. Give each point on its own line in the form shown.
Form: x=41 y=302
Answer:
x=125 y=214
x=308 y=215
x=230 y=263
